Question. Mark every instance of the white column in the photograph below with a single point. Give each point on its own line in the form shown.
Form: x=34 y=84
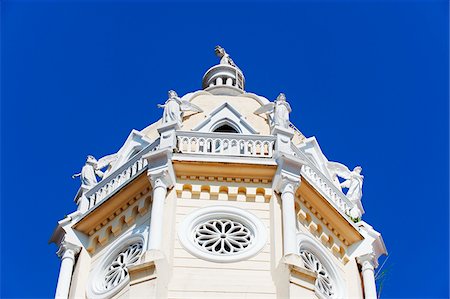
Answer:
x=156 y=221
x=289 y=217
x=367 y=270
x=67 y=253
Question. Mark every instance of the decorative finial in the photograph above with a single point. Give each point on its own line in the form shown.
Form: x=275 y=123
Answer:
x=224 y=56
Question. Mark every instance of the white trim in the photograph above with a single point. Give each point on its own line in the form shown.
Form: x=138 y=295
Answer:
x=306 y=242
x=225 y=112
x=191 y=221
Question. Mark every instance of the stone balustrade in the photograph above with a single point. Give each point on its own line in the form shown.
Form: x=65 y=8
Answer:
x=120 y=177
x=226 y=144
x=221 y=144
x=316 y=178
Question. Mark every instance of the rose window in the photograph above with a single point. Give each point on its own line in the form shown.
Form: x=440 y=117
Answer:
x=118 y=270
x=223 y=236
x=323 y=282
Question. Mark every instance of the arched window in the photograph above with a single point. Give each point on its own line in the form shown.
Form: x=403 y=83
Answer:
x=226 y=129
x=226 y=126
x=329 y=284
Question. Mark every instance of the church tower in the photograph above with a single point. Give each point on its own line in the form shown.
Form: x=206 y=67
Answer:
x=223 y=197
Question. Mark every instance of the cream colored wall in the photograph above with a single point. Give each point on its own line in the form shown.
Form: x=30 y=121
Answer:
x=80 y=275
x=299 y=292
x=196 y=278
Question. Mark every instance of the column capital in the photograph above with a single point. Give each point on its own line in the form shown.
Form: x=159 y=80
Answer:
x=160 y=170
x=367 y=261
x=287 y=183
x=67 y=249
x=287 y=178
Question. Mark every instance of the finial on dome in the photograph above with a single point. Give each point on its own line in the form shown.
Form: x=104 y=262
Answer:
x=224 y=56
x=225 y=78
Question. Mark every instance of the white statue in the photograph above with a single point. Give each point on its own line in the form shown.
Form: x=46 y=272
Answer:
x=280 y=108
x=174 y=108
x=353 y=182
x=92 y=169
x=224 y=56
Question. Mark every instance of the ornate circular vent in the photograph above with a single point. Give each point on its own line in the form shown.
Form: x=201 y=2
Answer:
x=112 y=273
x=118 y=270
x=222 y=234
x=323 y=282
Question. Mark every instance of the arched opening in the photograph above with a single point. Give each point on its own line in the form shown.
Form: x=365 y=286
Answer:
x=225 y=128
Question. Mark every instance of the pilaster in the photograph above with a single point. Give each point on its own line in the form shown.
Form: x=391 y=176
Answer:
x=368 y=265
x=286 y=181
x=67 y=252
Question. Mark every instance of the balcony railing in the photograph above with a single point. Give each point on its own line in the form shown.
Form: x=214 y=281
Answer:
x=316 y=178
x=120 y=177
x=226 y=144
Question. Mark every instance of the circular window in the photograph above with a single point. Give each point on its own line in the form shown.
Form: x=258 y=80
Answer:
x=112 y=274
x=222 y=234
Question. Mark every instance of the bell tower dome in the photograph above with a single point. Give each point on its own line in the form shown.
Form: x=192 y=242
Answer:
x=225 y=78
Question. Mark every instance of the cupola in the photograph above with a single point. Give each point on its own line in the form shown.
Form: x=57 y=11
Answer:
x=225 y=78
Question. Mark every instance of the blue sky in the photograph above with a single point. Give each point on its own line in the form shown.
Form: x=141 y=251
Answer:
x=369 y=79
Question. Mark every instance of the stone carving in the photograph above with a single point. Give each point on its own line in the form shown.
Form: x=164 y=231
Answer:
x=280 y=109
x=224 y=56
x=223 y=236
x=353 y=182
x=92 y=169
x=174 y=108
x=323 y=282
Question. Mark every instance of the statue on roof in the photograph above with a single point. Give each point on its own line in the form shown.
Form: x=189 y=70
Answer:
x=280 y=109
x=353 y=182
x=174 y=107
x=92 y=169
x=224 y=56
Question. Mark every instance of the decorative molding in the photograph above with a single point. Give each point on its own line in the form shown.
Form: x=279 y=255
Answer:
x=68 y=250
x=223 y=192
x=322 y=231
x=225 y=179
x=126 y=215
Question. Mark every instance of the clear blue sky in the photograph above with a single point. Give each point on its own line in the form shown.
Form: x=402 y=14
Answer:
x=369 y=79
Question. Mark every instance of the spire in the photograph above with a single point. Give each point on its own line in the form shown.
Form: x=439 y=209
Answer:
x=225 y=78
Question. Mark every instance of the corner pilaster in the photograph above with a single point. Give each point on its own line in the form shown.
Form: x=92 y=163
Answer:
x=162 y=177
x=67 y=252
x=286 y=181
x=368 y=264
